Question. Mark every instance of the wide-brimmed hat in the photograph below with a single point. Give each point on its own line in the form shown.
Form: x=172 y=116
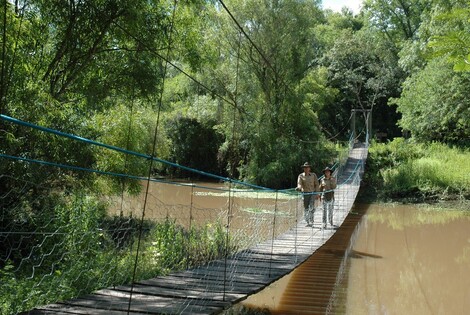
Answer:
x=306 y=164
x=327 y=169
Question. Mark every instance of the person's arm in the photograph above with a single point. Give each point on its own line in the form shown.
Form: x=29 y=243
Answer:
x=333 y=183
x=299 y=183
x=317 y=184
x=317 y=187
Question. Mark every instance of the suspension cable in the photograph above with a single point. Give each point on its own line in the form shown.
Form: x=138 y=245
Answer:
x=246 y=35
x=128 y=140
x=176 y=67
x=263 y=56
x=235 y=110
x=121 y=150
x=154 y=147
x=4 y=47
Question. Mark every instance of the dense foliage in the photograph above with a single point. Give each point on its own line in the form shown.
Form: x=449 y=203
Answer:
x=268 y=79
x=244 y=89
x=86 y=261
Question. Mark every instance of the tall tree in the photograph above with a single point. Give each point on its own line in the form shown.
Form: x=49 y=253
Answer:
x=434 y=104
x=451 y=35
x=364 y=69
x=276 y=50
x=399 y=20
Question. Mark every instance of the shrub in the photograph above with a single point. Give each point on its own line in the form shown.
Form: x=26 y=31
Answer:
x=84 y=250
x=403 y=168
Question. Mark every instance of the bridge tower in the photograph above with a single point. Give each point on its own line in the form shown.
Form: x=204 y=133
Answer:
x=367 y=113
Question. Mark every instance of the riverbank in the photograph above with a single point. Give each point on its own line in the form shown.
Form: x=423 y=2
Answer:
x=366 y=197
x=406 y=171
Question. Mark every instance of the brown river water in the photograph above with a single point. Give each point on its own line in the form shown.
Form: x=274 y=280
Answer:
x=405 y=259
x=249 y=214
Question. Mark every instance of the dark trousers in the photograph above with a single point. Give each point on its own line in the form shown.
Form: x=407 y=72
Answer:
x=309 y=207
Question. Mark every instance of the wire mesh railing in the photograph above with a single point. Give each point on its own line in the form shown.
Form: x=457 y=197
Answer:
x=60 y=242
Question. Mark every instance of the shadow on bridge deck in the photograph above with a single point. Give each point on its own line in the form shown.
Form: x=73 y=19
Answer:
x=313 y=287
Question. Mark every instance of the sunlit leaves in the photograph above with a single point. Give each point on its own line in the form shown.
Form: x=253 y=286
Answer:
x=452 y=37
x=435 y=104
x=397 y=19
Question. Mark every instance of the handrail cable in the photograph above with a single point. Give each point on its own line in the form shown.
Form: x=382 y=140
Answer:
x=121 y=150
x=89 y=170
x=154 y=147
x=118 y=149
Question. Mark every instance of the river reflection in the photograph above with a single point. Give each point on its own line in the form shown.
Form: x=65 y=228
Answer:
x=405 y=260
x=425 y=264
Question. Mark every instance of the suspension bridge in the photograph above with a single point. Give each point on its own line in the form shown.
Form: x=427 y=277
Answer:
x=175 y=248
x=257 y=236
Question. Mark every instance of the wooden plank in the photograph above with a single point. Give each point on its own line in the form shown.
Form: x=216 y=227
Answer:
x=59 y=308
x=114 y=301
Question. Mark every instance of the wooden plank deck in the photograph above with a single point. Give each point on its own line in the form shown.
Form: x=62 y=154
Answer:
x=211 y=288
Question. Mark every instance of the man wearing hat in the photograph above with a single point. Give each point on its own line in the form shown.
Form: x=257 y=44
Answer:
x=307 y=183
x=327 y=185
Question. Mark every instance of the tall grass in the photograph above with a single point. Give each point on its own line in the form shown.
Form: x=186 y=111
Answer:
x=405 y=169
x=87 y=251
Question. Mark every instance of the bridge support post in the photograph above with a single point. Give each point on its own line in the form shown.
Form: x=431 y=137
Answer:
x=368 y=121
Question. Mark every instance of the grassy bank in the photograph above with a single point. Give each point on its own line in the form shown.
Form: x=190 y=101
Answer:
x=409 y=171
x=79 y=250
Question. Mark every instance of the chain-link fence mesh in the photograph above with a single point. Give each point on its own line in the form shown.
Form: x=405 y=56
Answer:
x=60 y=242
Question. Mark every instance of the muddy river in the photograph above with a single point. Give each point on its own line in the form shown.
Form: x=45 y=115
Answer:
x=253 y=215
x=404 y=260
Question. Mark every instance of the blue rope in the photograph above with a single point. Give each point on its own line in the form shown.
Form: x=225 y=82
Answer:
x=141 y=155
x=118 y=149
x=78 y=168
x=89 y=170
x=71 y=167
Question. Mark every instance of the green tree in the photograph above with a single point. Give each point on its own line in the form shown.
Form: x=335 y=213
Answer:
x=434 y=104
x=398 y=20
x=193 y=145
x=66 y=62
x=364 y=69
x=451 y=36
x=264 y=75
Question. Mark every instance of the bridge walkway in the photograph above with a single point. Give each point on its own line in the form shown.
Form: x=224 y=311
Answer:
x=211 y=288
